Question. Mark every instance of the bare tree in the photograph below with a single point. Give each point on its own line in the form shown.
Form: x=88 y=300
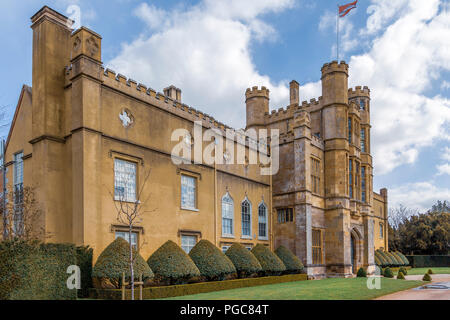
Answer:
x=129 y=213
x=399 y=215
x=22 y=217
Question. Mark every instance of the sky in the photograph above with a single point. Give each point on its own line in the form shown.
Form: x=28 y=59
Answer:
x=214 y=49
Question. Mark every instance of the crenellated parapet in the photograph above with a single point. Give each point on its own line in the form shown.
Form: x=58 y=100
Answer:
x=143 y=92
x=334 y=66
x=359 y=92
x=256 y=92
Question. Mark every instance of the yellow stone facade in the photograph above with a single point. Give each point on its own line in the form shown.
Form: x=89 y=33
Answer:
x=70 y=128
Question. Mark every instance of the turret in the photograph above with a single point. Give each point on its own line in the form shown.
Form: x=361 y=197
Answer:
x=294 y=89
x=257 y=105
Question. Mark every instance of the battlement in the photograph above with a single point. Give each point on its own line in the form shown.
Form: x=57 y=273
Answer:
x=359 y=92
x=334 y=66
x=255 y=92
x=146 y=93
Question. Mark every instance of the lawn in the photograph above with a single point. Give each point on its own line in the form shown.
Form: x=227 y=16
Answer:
x=422 y=271
x=326 y=289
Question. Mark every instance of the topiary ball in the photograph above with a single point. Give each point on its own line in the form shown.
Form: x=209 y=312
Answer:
x=403 y=270
x=426 y=277
x=400 y=276
x=213 y=264
x=430 y=271
x=388 y=273
x=243 y=260
x=361 y=273
x=114 y=261
x=291 y=261
x=270 y=263
x=172 y=265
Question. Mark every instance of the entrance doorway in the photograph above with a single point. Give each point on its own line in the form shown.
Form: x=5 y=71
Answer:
x=353 y=253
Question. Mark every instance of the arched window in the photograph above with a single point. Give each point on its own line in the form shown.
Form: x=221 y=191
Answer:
x=227 y=215
x=246 y=214
x=262 y=221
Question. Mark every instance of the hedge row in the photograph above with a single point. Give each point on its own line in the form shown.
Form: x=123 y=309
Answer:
x=194 y=288
x=170 y=265
x=390 y=259
x=429 y=261
x=35 y=271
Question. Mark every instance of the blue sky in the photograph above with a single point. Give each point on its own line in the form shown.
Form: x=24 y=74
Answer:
x=214 y=49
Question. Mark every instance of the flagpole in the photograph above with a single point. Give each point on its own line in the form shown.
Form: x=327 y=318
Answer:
x=337 y=33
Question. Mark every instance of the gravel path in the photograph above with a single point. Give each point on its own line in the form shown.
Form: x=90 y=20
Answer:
x=422 y=294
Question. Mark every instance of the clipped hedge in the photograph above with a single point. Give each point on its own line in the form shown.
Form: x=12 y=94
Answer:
x=384 y=261
x=172 y=265
x=388 y=273
x=403 y=257
x=213 y=264
x=429 y=261
x=270 y=263
x=84 y=261
x=400 y=276
x=398 y=258
x=195 y=288
x=427 y=277
x=35 y=271
x=114 y=261
x=291 y=261
x=395 y=258
x=244 y=261
x=361 y=273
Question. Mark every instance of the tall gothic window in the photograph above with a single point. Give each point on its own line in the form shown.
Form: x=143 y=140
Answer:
x=315 y=176
x=18 y=194
x=363 y=140
x=350 y=178
x=262 y=221
x=350 y=130
x=246 y=215
x=317 y=246
x=363 y=184
x=124 y=180
x=227 y=215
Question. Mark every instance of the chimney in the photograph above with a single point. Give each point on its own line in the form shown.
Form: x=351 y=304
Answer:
x=173 y=93
x=294 y=92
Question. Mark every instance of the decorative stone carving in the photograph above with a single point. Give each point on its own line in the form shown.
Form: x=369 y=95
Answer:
x=126 y=118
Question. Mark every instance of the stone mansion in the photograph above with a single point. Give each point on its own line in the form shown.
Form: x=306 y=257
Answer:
x=82 y=134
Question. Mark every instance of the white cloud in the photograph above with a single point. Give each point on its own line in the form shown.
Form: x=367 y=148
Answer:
x=446 y=154
x=205 y=50
x=400 y=66
x=443 y=169
x=419 y=195
x=445 y=85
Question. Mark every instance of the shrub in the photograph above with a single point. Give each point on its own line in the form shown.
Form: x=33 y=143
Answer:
x=291 y=261
x=172 y=265
x=270 y=263
x=84 y=261
x=397 y=258
x=361 y=273
x=213 y=264
x=35 y=271
x=388 y=273
x=402 y=256
x=384 y=261
x=430 y=271
x=392 y=259
x=114 y=261
x=403 y=270
x=400 y=276
x=429 y=261
x=244 y=261
x=426 y=277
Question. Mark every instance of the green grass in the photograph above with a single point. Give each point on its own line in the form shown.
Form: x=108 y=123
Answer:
x=326 y=289
x=422 y=271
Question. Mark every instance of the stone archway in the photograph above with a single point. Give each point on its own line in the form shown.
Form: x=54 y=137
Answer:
x=356 y=249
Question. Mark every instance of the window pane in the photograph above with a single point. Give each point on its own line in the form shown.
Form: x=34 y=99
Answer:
x=125 y=235
x=227 y=215
x=124 y=180
x=188 y=242
x=246 y=218
x=188 y=193
x=18 y=168
x=262 y=216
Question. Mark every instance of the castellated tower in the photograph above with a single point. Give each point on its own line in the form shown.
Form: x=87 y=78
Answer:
x=257 y=105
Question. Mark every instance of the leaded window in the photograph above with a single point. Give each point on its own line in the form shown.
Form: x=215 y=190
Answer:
x=126 y=235
x=188 y=192
x=363 y=140
x=246 y=218
x=363 y=184
x=317 y=246
x=188 y=242
x=124 y=180
x=262 y=221
x=227 y=215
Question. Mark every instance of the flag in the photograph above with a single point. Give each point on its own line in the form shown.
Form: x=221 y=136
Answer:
x=345 y=9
